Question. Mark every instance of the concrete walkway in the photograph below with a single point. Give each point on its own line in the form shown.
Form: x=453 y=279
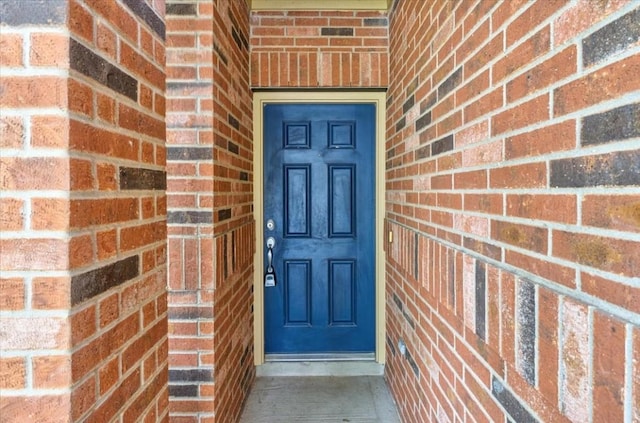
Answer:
x=320 y=399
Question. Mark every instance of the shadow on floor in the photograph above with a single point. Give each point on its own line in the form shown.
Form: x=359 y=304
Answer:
x=319 y=399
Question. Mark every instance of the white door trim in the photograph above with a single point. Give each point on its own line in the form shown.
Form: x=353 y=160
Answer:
x=259 y=100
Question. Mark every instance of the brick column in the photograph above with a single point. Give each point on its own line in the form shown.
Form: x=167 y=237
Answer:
x=83 y=330
x=211 y=230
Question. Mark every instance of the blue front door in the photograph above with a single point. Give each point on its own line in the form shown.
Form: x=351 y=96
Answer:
x=319 y=179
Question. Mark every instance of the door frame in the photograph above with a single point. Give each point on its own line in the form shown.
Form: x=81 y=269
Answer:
x=260 y=98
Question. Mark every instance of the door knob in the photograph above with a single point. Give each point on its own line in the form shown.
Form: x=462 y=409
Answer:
x=270 y=274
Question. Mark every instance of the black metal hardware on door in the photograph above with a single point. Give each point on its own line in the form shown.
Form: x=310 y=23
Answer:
x=270 y=274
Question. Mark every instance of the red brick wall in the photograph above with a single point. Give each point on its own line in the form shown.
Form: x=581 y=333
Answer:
x=319 y=49
x=512 y=193
x=211 y=228
x=84 y=233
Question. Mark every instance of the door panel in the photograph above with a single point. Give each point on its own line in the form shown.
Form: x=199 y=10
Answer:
x=319 y=190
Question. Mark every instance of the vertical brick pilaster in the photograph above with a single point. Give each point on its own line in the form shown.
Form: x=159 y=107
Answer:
x=211 y=230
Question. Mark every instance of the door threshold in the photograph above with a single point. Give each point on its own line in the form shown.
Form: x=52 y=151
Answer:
x=316 y=367
x=321 y=357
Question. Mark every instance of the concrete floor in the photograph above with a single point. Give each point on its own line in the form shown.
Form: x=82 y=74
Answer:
x=320 y=399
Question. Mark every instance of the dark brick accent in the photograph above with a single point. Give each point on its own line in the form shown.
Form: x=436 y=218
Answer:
x=614 y=125
x=481 y=300
x=190 y=375
x=409 y=319
x=423 y=152
x=94 y=282
x=224 y=214
x=144 y=179
x=189 y=217
x=148 y=15
x=182 y=9
x=396 y=300
x=339 y=32
x=187 y=88
x=391 y=153
x=183 y=390
x=527 y=329
x=510 y=403
x=401 y=123
x=189 y=153
x=35 y=12
x=450 y=83
x=428 y=102
x=408 y=104
x=233 y=121
x=95 y=67
x=423 y=121
x=190 y=313
x=616 y=169
x=233 y=147
x=220 y=54
x=376 y=22
x=389 y=101
x=239 y=39
x=392 y=347
x=244 y=176
x=412 y=86
x=442 y=145
x=414 y=366
x=615 y=37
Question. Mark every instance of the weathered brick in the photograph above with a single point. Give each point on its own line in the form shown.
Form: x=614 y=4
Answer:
x=556 y=68
x=13 y=373
x=621 y=212
x=605 y=253
x=526 y=305
x=615 y=169
x=49 y=50
x=554 y=208
x=25 y=92
x=511 y=404
x=11 y=50
x=537 y=142
x=608 y=368
x=604 y=84
x=612 y=38
x=51 y=372
x=11 y=214
x=87 y=285
x=535 y=46
x=529 y=237
x=620 y=294
x=525 y=114
x=519 y=176
x=581 y=16
x=617 y=124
